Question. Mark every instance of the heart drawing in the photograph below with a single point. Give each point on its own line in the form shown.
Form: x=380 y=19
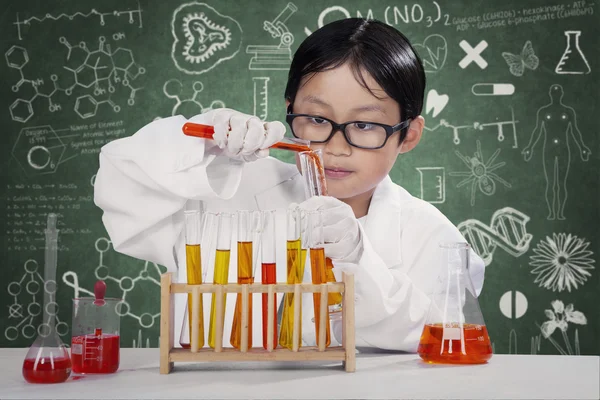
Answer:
x=436 y=101
x=433 y=52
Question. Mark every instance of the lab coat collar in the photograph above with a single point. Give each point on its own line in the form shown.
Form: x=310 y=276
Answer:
x=382 y=225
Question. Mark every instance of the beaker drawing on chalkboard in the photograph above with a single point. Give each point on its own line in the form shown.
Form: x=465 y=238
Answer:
x=557 y=123
x=573 y=60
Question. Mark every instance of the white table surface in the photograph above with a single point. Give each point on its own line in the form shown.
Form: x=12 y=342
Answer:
x=378 y=375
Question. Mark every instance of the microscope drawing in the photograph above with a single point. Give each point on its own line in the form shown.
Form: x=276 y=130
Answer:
x=274 y=57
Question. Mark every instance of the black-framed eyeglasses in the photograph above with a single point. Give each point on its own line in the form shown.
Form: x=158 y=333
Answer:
x=361 y=134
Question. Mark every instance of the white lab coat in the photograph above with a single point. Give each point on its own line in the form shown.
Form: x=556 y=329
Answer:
x=145 y=180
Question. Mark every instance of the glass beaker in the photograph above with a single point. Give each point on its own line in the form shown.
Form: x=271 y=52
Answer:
x=47 y=360
x=573 y=60
x=454 y=331
x=95 y=341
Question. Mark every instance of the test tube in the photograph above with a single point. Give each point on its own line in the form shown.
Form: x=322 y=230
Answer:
x=247 y=225
x=315 y=242
x=193 y=259
x=269 y=277
x=313 y=173
x=295 y=274
x=221 y=273
x=315 y=184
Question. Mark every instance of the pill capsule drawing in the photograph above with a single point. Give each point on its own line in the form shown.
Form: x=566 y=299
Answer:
x=492 y=89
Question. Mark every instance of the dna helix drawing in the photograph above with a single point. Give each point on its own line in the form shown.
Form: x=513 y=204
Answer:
x=507 y=230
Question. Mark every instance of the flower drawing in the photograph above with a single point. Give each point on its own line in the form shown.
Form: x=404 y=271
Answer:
x=559 y=318
x=562 y=262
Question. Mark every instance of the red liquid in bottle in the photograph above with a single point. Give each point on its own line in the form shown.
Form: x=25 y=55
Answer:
x=46 y=370
x=95 y=354
x=268 y=277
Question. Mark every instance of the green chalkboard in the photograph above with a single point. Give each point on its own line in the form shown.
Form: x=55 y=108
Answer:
x=78 y=74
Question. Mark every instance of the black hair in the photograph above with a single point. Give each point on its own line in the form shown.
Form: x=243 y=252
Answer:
x=369 y=45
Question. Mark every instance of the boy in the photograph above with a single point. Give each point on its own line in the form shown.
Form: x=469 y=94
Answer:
x=355 y=89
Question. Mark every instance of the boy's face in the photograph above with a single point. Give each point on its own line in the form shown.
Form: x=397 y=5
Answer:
x=337 y=95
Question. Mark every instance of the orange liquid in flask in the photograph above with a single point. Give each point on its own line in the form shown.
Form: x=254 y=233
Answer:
x=244 y=276
x=469 y=345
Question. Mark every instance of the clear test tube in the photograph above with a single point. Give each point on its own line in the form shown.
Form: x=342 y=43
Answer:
x=313 y=173
x=315 y=184
x=315 y=242
x=269 y=275
x=295 y=272
x=221 y=273
x=193 y=259
x=246 y=226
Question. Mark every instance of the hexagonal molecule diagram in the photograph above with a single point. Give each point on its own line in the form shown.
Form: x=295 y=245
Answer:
x=100 y=71
x=25 y=307
x=38 y=150
x=135 y=289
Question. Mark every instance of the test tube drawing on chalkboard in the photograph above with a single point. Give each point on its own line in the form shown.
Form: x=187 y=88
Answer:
x=433 y=184
x=274 y=57
x=556 y=124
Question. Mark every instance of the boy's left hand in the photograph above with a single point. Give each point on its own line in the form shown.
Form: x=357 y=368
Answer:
x=341 y=231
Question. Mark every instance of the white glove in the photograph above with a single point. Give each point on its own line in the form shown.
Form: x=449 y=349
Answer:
x=241 y=136
x=341 y=229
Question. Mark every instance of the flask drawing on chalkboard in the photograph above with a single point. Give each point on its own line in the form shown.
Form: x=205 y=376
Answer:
x=573 y=60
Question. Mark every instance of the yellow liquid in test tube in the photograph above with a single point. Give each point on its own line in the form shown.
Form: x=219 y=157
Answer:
x=245 y=275
x=295 y=273
x=194 y=277
x=221 y=276
x=332 y=298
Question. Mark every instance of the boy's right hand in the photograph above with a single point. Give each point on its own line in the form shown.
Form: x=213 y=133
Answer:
x=244 y=137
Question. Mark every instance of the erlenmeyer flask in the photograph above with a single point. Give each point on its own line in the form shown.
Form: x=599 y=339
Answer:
x=47 y=360
x=455 y=331
x=573 y=60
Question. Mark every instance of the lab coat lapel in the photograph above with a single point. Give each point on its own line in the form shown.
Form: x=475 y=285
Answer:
x=382 y=225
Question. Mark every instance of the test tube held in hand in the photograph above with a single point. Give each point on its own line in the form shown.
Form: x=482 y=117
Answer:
x=221 y=273
x=269 y=275
x=207 y=132
x=315 y=184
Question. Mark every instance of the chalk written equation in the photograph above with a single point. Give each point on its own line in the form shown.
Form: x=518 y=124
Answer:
x=525 y=15
x=27 y=208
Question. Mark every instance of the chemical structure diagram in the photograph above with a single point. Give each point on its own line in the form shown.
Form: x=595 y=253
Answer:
x=101 y=69
x=126 y=284
x=191 y=106
x=480 y=127
x=32 y=282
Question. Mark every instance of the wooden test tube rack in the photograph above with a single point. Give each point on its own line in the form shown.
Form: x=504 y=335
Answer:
x=169 y=355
